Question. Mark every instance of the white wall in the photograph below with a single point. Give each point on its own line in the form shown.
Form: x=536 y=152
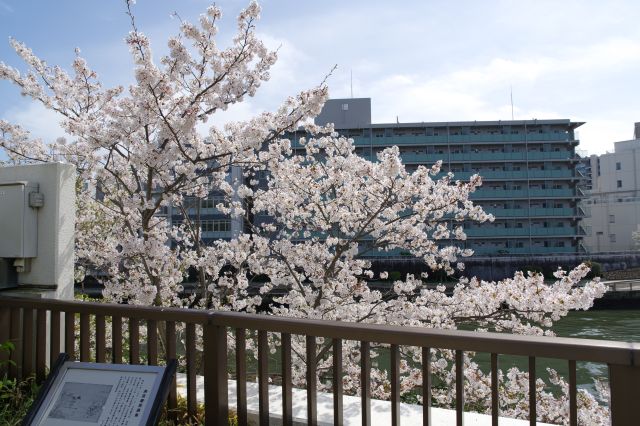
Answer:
x=612 y=224
x=51 y=272
x=614 y=210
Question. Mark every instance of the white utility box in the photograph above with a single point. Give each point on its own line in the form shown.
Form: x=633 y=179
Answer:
x=19 y=224
x=37 y=225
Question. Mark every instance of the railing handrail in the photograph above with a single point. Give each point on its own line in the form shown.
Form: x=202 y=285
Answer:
x=611 y=352
x=157 y=313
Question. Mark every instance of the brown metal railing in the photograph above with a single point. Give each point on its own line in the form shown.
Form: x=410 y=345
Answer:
x=31 y=323
x=624 y=285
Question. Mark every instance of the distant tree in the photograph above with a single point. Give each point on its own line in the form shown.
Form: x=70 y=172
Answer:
x=323 y=210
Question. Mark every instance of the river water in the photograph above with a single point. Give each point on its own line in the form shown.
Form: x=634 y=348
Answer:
x=621 y=325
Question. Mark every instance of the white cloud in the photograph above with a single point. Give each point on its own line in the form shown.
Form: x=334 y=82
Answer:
x=236 y=112
x=4 y=7
x=41 y=122
x=551 y=86
x=598 y=136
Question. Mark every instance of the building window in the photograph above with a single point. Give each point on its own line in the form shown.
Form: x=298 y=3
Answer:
x=612 y=238
x=345 y=107
x=612 y=218
x=618 y=166
x=212 y=201
x=216 y=225
x=619 y=184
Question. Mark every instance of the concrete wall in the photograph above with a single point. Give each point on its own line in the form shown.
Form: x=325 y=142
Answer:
x=621 y=167
x=50 y=274
x=614 y=201
x=346 y=113
x=611 y=226
x=500 y=267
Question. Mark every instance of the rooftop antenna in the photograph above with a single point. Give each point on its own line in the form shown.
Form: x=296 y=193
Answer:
x=351 y=83
x=511 y=102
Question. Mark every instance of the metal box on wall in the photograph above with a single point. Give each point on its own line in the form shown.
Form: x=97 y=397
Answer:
x=19 y=221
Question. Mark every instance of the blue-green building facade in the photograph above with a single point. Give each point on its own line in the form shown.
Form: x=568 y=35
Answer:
x=530 y=180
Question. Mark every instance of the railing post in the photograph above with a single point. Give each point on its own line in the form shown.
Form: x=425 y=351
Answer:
x=263 y=378
x=215 y=375
x=624 y=381
x=5 y=326
x=15 y=368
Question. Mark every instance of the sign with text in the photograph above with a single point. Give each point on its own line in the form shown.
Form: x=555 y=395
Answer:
x=89 y=394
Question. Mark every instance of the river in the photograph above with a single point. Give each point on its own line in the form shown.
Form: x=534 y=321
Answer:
x=622 y=325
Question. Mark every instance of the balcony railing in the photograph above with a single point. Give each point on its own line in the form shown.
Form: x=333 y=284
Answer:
x=444 y=139
x=533 y=212
x=421 y=158
x=524 y=193
x=522 y=232
x=480 y=251
x=31 y=323
x=489 y=175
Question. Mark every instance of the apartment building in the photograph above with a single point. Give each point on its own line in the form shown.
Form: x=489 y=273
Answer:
x=214 y=224
x=531 y=182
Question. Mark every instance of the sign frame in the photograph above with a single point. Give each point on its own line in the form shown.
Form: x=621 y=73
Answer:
x=56 y=397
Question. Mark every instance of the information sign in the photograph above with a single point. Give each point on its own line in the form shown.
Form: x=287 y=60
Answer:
x=89 y=394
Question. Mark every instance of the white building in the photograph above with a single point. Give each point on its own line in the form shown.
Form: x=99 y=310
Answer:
x=614 y=201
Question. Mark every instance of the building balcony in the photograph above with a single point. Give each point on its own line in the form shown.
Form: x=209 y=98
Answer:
x=416 y=158
x=464 y=139
x=524 y=193
x=485 y=251
x=532 y=212
x=521 y=232
x=491 y=175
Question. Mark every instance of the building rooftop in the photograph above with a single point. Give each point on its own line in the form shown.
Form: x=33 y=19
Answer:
x=355 y=113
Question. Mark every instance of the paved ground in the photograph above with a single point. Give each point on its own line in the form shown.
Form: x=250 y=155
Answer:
x=380 y=410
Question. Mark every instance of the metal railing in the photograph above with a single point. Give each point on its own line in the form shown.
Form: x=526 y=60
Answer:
x=624 y=285
x=31 y=323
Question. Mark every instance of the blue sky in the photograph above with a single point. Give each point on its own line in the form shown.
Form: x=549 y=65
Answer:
x=434 y=60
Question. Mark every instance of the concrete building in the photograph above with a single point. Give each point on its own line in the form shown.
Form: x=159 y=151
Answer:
x=531 y=182
x=214 y=224
x=614 y=201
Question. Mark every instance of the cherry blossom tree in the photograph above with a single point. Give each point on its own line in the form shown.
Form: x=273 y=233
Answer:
x=140 y=149
x=312 y=218
x=326 y=209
